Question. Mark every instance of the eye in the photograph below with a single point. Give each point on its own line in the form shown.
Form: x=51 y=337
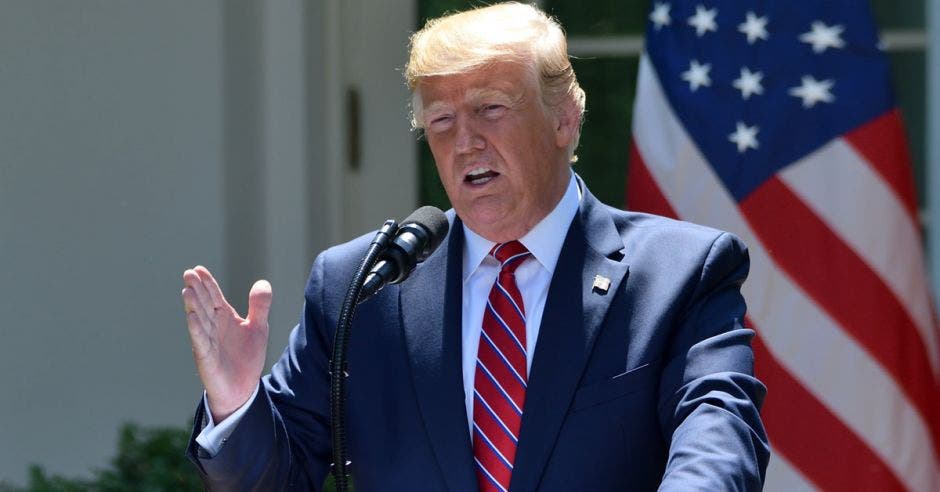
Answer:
x=492 y=111
x=440 y=123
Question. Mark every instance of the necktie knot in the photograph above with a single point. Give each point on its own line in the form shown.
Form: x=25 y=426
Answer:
x=510 y=255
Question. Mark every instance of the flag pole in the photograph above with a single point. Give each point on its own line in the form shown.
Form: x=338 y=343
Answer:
x=933 y=145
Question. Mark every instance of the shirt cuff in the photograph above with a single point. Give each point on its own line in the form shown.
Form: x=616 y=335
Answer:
x=213 y=435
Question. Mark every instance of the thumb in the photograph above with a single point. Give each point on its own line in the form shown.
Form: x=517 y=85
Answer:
x=259 y=302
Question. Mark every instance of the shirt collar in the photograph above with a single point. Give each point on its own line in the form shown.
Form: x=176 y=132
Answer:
x=543 y=241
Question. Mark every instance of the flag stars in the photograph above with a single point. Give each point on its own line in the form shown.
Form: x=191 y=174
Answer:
x=754 y=28
x=749 y=83
x=697 y=75
x=745 y=137
x=823 y=37
x=703 y=20
x=660 y=15
x=812 y=91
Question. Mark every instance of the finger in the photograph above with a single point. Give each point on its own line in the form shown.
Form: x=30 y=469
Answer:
x=218 y=298
x=193 y=311
x=198 y=337
x=204 y=303
x=259 y=302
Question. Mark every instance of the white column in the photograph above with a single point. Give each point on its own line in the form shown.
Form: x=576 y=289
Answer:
x=312 y=52
x=285 y=169
x=374 y=52
x=333 y=79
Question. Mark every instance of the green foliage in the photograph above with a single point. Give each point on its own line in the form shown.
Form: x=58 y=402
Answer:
x=40 y=482
x=150 y=460
x=147 y=460
x=605 y=137
x=603 y=18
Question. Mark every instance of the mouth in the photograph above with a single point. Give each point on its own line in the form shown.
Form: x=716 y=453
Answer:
x=480 y=176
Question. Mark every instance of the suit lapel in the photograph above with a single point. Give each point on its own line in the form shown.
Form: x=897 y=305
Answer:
x=431 y=327
x=573 y=313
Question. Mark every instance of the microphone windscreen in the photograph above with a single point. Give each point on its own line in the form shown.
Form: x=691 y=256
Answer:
x=433 y=220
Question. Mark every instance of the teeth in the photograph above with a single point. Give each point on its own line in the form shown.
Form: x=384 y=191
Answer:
x=478 y=171
x=482 y=180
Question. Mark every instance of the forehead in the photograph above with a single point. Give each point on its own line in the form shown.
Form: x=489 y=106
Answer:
x=496 y=80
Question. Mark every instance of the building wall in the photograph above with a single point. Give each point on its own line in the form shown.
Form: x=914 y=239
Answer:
x=141 y=138
x=109 y=185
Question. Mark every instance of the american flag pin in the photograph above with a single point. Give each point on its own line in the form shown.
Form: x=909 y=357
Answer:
x=601 y=284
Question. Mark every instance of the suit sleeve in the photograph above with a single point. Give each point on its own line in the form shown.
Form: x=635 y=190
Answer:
x=709 y=399
x=283 y=440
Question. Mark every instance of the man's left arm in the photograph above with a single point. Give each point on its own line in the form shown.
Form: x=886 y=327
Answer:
x=709 y=399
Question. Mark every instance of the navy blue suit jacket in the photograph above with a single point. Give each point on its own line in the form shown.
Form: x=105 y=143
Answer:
x=649 y=384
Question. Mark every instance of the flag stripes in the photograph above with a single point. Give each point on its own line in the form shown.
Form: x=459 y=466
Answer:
x=851 y=218
x=873 y=406
x=881 y=142
x=841 y=283
x=790 y=405
x=781 y=471
x=804 y=419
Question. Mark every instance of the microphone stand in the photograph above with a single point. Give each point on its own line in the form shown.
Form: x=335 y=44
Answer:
x=340 y=344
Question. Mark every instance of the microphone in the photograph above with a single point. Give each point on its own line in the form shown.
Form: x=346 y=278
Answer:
x=392 y=259
x=417 y=237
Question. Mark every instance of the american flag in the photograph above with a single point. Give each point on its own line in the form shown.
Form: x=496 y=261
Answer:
x=775 y=120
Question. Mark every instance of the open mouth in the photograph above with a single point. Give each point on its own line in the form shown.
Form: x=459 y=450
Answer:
x=480 y=175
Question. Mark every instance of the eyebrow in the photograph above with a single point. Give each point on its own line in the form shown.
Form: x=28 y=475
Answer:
x=473 y=95
x=487 y=93
x=434 y=107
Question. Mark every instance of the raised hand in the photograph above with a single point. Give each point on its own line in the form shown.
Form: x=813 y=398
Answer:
x=229 y=350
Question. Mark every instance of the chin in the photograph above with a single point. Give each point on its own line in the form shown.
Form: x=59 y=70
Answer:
x=496 y=229
x=481 y=224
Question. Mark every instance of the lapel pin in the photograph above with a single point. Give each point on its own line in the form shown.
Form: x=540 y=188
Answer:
x=601 y=284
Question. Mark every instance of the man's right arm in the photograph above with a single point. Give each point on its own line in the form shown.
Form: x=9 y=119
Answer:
x=281 y=439
x=213 y=435
x=229 y=350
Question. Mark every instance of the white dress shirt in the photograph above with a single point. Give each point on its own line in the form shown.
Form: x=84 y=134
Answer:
x=533 y=277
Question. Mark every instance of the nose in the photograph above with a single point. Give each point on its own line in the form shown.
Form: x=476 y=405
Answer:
x=468 y=137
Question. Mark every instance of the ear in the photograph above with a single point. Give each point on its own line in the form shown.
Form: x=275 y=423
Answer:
x=567 y=123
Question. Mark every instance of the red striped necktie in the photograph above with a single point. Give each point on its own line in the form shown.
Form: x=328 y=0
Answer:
x=500 y=380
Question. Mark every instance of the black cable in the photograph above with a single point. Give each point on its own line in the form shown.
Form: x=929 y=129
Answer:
x=340 y=344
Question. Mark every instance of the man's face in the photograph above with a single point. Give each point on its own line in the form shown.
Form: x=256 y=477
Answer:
x=500 y=153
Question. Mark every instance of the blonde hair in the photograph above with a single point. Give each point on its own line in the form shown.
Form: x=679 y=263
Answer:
x=511 y=31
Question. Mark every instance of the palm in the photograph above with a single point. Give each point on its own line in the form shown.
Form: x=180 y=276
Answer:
x=229 y=350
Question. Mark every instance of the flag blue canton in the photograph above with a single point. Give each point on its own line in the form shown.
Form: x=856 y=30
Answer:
x=758 y=84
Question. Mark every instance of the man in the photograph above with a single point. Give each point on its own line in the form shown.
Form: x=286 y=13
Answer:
x=551 y=343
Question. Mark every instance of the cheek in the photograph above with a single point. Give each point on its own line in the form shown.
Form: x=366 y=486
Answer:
x=442 y=140
x=445 y=167
x=439 y=150
x=526 y=138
